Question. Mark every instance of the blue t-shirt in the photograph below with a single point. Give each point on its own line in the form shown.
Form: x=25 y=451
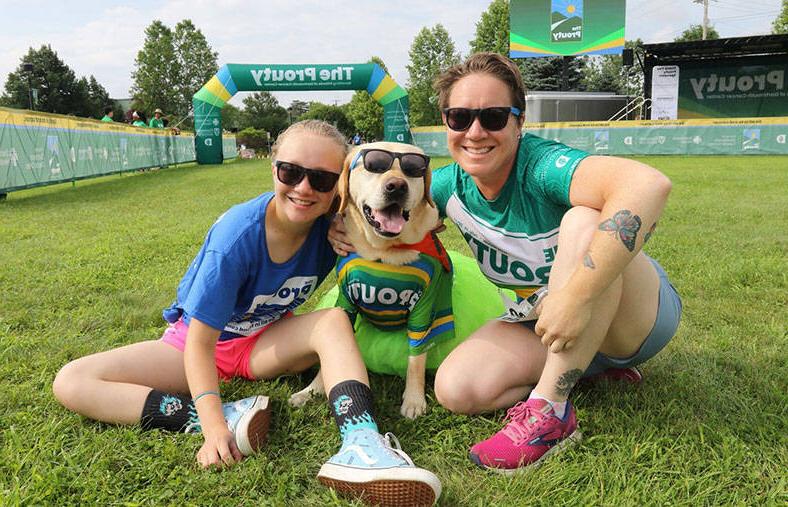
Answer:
x=233 y=285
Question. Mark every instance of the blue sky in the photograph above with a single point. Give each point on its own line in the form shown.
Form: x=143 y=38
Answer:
x=103 y=37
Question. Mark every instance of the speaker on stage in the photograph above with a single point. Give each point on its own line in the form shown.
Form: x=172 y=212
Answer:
x=628 y=57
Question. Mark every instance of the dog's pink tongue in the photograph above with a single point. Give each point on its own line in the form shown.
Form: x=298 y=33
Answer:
x=390 y=219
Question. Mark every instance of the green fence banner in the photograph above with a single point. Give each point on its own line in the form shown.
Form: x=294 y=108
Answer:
x=730 y=136
x=729 y=88
x=42 y=149
x=565 y=27
x=232 y=78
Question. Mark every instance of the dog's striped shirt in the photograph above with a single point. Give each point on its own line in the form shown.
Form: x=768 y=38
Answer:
x=416 y=296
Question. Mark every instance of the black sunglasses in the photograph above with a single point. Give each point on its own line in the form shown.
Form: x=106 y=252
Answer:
x=490 y=118
x=413 y=165
x=292 y=174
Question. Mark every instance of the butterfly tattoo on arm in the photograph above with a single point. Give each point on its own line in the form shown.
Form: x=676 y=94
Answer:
x=625 y=226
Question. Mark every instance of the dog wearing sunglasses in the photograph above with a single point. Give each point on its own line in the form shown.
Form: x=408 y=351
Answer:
x=400 y=276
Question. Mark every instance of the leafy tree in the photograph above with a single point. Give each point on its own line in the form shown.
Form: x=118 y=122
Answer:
x=492 y=30
x=96 y=99
x=253 y=138
x=297 y=109
x=431 y=52
x=780 y=24
x=231 y=118
x=364 y=112
x=196 y=62
x=157 y=72
x=57 y=87
x=695 y=32
x=171 y=67
x=606 y=73
x=262 y=111
x=336 y=115
x=554 y=74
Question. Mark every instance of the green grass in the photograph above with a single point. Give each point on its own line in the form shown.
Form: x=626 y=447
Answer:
x=90 y=267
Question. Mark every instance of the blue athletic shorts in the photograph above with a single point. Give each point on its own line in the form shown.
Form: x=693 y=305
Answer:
x=668 y=316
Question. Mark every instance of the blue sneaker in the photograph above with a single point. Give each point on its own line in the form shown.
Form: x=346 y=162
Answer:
x=369 y=467
x=248 y=419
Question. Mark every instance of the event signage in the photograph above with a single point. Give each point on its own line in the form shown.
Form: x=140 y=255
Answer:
x=664 y=92
x=42 y=149
x=736 y=136
x=732 y=88
x=541 y=28
x=232 y=78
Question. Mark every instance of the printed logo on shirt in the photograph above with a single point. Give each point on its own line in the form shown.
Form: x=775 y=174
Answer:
x=362 y=293
x=493 y=248
x=267 y=308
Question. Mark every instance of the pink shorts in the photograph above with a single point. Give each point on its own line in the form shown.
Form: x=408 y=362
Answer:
x=232 y=356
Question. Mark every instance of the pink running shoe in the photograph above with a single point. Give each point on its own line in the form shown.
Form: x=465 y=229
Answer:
x=533 y=432
x=629 y=375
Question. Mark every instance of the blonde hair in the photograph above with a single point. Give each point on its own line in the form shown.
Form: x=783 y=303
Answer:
x=316 y=127
x=483 y=63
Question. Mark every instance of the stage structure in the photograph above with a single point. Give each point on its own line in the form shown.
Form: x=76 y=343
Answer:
x=233 y=78
x=721 y=78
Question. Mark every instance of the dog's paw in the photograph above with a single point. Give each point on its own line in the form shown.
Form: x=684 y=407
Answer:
x=300 y=398
x=413 y=406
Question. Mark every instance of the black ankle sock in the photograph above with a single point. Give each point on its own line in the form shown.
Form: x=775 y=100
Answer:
x=171 y=412
x=351 y=406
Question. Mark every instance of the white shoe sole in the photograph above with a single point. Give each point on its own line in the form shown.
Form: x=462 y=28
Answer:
x=251 y=433
x=390 y=487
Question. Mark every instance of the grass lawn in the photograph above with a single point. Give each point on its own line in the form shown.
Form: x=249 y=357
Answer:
x=90 y=267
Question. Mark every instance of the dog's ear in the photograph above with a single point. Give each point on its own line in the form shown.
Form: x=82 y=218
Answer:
x=343 y=187
x=427 y=182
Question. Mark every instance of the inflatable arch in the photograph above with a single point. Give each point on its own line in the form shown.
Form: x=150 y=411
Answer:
x=233 y=78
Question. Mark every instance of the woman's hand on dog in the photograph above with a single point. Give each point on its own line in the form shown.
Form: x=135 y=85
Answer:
x=337 y=237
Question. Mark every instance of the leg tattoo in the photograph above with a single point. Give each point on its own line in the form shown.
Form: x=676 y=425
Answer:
x=623 y=225
x=588 y=261
x=567 y=381
x=647 y=236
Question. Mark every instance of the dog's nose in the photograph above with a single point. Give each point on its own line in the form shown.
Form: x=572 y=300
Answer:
x=395 y=188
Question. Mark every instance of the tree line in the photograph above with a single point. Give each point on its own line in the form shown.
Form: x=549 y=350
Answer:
x=175 y=62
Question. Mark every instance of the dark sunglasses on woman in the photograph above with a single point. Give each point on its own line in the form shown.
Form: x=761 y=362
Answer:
x=490 y=118
x=292 y=174
x=413 y=165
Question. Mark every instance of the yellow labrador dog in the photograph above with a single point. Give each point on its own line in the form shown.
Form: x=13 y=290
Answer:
x=400 y=277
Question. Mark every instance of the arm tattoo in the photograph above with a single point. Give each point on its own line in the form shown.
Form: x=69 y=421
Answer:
x=589 y=262
x=567 y=381
x=623 y=225
x=647 y=236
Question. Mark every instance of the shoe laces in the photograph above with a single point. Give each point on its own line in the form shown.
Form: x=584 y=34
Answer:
x=392 y=443
x=520 y=417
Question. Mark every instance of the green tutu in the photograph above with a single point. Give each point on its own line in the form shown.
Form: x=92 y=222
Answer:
x=475 y=301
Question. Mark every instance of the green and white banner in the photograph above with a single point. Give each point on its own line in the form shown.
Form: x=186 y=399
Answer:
x=728 y=88
x=737 y=136
x=565 y=27
x=42 y=149
x=232 y=78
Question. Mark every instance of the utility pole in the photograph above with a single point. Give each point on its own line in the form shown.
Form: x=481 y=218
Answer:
x=705 y=18
x=28 y=68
